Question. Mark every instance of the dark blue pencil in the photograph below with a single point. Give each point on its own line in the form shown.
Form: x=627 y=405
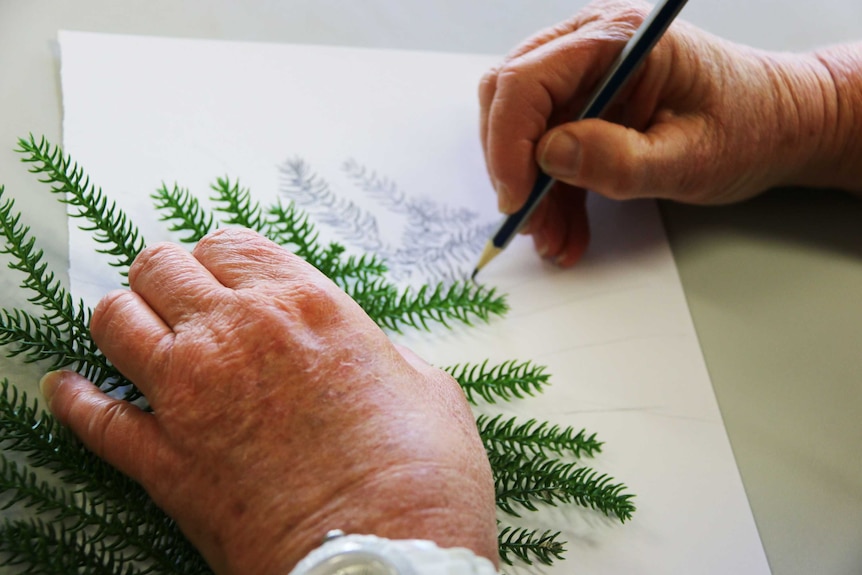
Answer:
x=632 y=54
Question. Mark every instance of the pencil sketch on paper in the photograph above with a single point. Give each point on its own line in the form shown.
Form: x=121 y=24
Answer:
x=437 y=242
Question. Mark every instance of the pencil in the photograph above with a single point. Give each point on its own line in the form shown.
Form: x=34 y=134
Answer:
x=632 y=54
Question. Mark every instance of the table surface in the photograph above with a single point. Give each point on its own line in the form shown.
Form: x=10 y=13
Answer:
x=773 y=284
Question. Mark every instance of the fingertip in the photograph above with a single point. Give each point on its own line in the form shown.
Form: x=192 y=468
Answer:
x=505 y=202
x=573 y=252
x=548 y=226
x=487 y=88
x=578 y=236
x=541 y=244
x=70 y=397
x=541 y=226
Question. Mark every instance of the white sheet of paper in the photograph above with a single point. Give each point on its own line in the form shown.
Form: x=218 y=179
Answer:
x=614 y=332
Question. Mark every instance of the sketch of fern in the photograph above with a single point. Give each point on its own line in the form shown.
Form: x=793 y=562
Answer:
x=438 y=242
x=313 y=193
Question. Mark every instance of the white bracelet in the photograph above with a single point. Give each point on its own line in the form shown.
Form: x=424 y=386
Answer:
x=370 y=555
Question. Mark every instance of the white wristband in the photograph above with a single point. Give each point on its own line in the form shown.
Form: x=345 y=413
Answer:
x=371 y=555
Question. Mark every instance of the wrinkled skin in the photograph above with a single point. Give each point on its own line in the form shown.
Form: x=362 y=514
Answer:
x=280 y=411
x=703 y=121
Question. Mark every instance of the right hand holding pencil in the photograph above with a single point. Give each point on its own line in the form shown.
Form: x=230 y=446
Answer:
x=704 y=121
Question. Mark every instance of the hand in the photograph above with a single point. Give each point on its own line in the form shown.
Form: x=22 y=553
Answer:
x=703 y=121
x=279 y=411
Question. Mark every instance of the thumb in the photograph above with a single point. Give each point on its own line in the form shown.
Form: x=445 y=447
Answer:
x=115 y=430
x=612 y=160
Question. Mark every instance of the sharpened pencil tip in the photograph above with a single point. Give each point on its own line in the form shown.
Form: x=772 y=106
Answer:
x=488 y=254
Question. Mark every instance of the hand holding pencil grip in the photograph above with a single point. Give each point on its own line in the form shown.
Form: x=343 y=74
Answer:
x=632 y=54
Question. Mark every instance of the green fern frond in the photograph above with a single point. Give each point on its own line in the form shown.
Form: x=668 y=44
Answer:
x=47 y=291
x=532 y=438
x=101 y=522
x=105 y=504
x=527 y=481
x=21 y=486
x=180 y=206
x=26 y=429
x=37 y=340
x=508 y=380
x=461 y=301
x=61 y=336
x=98 y=520
x=362 y=268
x=109 y=225
x=530 y=545
x=237 y=206
x=290 y=226
x=47 y=548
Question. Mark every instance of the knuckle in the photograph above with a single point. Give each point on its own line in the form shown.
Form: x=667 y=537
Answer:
x=108 y=308
x=227 y=237
x=508 y=78
x=150 y=257
x=314 y=300
x=626 y=182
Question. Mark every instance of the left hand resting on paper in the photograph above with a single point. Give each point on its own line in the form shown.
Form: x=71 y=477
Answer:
x=280 y=411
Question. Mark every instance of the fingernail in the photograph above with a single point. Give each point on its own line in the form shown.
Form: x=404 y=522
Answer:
x=48 y=385
x=541 y=245
x=561 y=156
x=504 y=199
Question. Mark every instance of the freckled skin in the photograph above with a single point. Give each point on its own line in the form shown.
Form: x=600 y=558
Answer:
x=280 y=411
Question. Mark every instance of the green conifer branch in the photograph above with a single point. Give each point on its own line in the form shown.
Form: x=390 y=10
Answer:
x=508 y=380
x=28 y=430
x=101 y=521
x=237 y=206
x=47 y=548
x=534 y=438
x=110 y=225
x=48 y=292
x=290 y=226
x=106 y=505
x=36 y=340
x=181 y=207
x=62 y=335
x=530 y=545
x=461 y=301
x=527 y=481
x=363 y=268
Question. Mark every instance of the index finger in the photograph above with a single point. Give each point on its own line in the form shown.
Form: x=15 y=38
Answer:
x=488 y=83
x=536 y=89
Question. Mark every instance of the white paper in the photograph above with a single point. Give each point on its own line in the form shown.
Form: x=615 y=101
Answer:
x=614 y=332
